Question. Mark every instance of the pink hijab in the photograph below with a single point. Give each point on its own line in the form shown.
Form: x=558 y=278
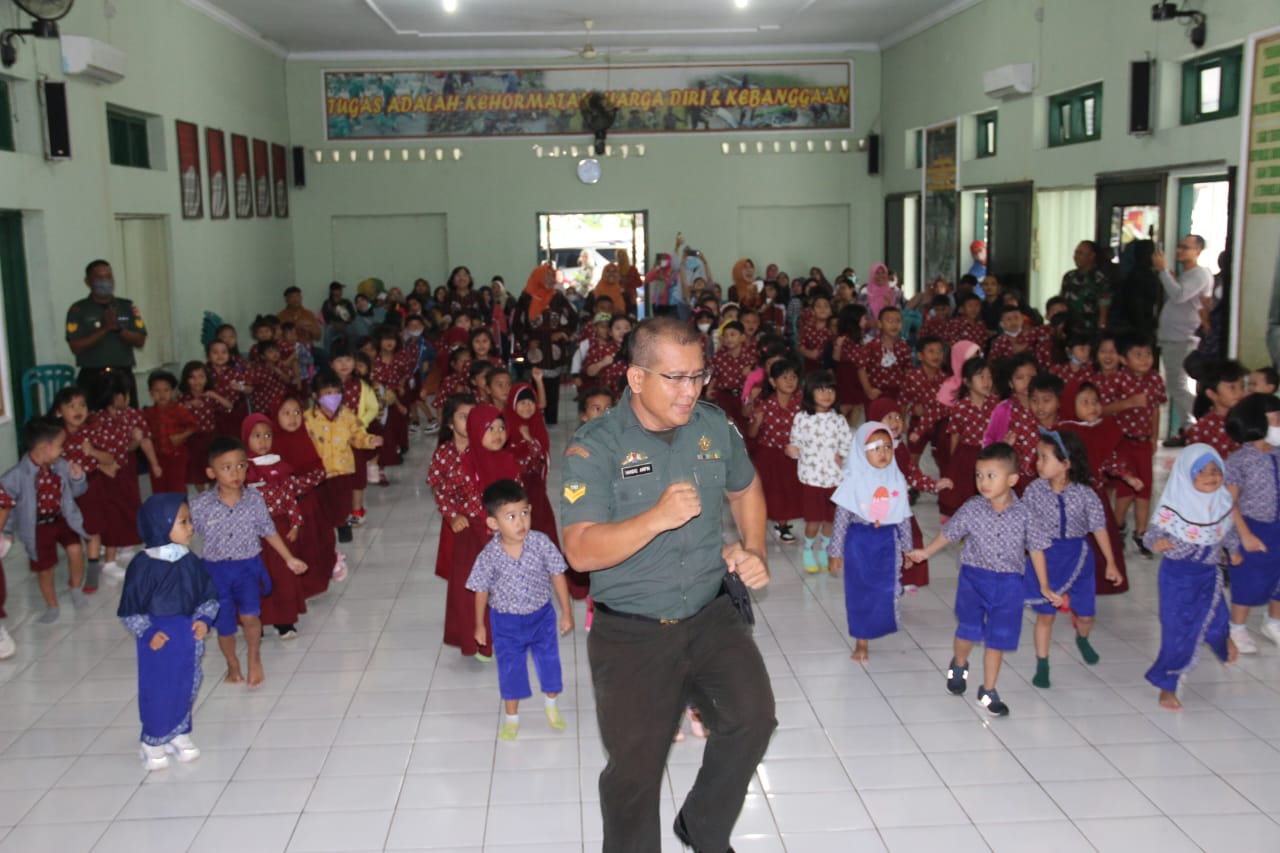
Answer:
x=961 y=352
x=879 y=296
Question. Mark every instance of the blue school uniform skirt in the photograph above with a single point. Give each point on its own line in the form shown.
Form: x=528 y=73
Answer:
x=871 y=587
x=1193 y=609
x=989 y=607
x=515 y=636
x=1256 y=580
x=1071 y=572
x=168 y=680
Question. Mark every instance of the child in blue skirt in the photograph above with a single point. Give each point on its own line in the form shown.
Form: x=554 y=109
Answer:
x=872 y=531
x=1253 y=479
x=1191 y=526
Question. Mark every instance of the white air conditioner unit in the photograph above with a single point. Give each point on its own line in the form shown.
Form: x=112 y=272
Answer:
x=1009 y=81
x=94 y=59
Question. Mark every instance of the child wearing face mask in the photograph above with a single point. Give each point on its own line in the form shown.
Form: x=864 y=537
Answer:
x=1253 y=479
x=336 y=432
x=871 y=534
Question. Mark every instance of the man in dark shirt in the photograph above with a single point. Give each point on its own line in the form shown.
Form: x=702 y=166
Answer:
x=103 y=330
x=337 y=313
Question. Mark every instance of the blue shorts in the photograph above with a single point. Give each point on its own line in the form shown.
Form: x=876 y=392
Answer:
x=1256 y=581
x=989 y=607
x=515 y=637
x=239 y=590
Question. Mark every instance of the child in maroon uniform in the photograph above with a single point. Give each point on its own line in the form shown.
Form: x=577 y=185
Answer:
x=815 y=333
x=204 y=404
x=1013 y=337
x=392 y=374
x=231 y=383
x=884 y=361
x=171 y=424
x=919 y=394
x=456 y=381
x=531 y=445
x=1137 y=393
x=450 y=490
x=729 y=369
x=318 y=548
x=967 y=324
x=1223 y=384
x=969 y=418
x=771 y=422
x=604 y=362
x=1078 y=366
x=71 y=409
x=270 y=379
x=1012 y=421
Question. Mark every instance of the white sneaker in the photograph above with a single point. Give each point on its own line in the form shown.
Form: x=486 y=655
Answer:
x=154 y=757
x=1244 y=642
x=113 y=570
x=123 y=555
x=7 y=647
x=340 y=569
x=1270 y=630
x=182 y=749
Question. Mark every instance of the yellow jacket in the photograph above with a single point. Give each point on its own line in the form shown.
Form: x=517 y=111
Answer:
x=335 y=439
x=370 y=406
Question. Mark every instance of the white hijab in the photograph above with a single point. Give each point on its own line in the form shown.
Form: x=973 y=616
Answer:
x=876 y=494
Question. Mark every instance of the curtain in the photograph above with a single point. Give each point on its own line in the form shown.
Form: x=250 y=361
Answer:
x=1061 y=219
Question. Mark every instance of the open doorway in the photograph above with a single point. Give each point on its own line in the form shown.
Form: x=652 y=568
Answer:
x=1204 y=208
x=579 y=245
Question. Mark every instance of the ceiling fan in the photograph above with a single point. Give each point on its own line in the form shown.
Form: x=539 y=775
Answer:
x=46 y=13
x=589 y=53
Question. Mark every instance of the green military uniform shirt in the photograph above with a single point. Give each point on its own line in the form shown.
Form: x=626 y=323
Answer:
x=85 y=317
x=615 y=469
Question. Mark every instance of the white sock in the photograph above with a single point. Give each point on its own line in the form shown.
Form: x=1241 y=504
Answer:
x=512 y=718
x=1271 y=620
x=1239 y=628
x=549 y=701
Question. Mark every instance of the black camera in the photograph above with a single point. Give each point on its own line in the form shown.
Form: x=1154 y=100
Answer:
x=1164 y=11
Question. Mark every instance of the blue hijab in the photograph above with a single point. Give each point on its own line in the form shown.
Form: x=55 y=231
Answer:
x=158 y=585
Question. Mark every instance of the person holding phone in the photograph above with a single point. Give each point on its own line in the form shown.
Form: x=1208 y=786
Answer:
x=1179 y=326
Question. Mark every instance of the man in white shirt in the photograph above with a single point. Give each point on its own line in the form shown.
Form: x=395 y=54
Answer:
x=1179 y=323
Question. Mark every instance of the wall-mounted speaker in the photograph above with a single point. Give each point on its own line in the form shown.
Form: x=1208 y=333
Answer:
x=299 y=166
x=1140 y=75
x=57 y=130
x=873 y=154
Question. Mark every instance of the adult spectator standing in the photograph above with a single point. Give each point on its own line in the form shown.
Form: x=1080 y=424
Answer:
x=542 y=326
x=103 y=330
x=1137 y=301
x=1179 y=326
x=299 y=315
x=978 y=252
x=1087 y=290
x=642 y=507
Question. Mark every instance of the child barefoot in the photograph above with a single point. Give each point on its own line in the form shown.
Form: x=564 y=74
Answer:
x=169 y=603
x=1190 y=528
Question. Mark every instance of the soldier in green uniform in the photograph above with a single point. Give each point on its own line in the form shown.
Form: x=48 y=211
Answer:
x=642 y=508
x=103 y=330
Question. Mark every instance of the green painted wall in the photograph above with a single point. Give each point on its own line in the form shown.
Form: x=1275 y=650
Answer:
x=181 y=65
x=492 y=195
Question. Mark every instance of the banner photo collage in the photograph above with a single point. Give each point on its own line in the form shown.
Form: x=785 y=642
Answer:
x=255 y=187
x=424 y=103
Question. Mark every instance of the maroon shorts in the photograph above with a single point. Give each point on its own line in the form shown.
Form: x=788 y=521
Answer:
x=1138 y=453
x=48 y=537
x=816 y=505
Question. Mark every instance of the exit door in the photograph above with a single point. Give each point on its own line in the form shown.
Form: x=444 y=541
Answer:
x=1009 y=235
x=20 y=349
x=1129 y=209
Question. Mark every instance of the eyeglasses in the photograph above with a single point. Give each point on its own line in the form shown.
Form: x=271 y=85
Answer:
x=693 y=380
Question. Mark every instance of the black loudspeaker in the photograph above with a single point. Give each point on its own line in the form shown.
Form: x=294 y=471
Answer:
x=299 y=166
x=57 y=131
x=873 y=154
x=1140 y=96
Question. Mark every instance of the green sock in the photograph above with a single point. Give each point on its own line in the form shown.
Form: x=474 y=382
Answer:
x=1041 y=678
x=809 y=555
x=1086 y=650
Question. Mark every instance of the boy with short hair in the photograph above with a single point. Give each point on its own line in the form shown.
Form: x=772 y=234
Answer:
x=998 y=532
x=1044 y=395
x=514 y=577
x=171 y=424
x=937 y=319
x=729 y=368
x=594 y=402
x=1264 y=380
x=1223 y=383
x=967 y=323
x=1133 y=398
x=1012 y=337
x=233 y=522
x=42 y=490
x=919 y=393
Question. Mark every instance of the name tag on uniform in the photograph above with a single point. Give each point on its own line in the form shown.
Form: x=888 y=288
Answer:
x=637 y=470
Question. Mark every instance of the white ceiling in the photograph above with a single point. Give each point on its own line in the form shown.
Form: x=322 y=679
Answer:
x=555 y=27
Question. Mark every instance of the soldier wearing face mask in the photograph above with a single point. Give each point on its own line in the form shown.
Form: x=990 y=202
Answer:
x=103 y=330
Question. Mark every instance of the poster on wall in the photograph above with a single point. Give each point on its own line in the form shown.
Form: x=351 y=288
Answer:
x=215 y=152
x=240 y=168
x=261 y=178
x=420 y=103
x=189 y=170
x=280 y=180
x=1258 y=214
x=941 y=207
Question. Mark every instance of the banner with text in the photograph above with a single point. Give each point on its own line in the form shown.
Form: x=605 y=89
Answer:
x=1258 y=243
x=414 y=104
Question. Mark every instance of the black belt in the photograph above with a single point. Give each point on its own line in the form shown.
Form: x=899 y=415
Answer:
x=1137 y=438
x=609 y=611
x=49 y=519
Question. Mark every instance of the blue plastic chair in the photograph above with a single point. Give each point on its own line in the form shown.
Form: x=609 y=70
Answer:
x=41 y=383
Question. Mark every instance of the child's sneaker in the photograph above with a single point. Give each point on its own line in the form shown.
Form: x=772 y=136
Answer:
x=113 y=570
x=7 y=647
x=1271 y=630
x=49 y=616
x=957 y=678
x=344 y=534
x=356 y=519
x=340 y=568
x=1086 y=650
x=1244 y=642
x=78 y=599
x=820 y=551
x=1041 y=678
x=509 y=730
x=810 y=559
x=154 y=757
x=554 y=717
x=182 y=749
x=990 y=700
x=784 y=534
x=1142 y=548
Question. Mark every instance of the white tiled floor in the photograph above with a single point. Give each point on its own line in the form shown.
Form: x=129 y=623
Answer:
x=369 y=736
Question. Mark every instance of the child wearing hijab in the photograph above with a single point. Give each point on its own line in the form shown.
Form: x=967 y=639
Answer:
x=1253 y=479
x=871 y=533
x=531 y=444
x=1191 y=526
x=318 y=549
x=270 y=476
x=169 y=602
x=1063 y=499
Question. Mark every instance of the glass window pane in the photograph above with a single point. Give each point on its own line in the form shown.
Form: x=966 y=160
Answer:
x=1064 y=121
x=1088 y=106
x=1210 y=89
x=6 y=119
x=990 y=136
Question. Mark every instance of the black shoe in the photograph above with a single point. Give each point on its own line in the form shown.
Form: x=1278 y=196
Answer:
x=784 y=534
x=1178 y=440
x=1142 y=548
x=957 y=678
x=913 y=495
x=344 y=533
x=682 y=833
x=990 y=700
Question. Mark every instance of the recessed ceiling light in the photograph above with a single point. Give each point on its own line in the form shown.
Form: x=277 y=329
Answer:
x=451 y=5
x=741 y=4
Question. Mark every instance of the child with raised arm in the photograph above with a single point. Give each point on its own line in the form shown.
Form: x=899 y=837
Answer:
x=998 y=532
x=1191 y=526
x=513 y=577
x=169 y=602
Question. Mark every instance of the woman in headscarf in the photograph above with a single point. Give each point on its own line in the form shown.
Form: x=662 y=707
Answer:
x=630 y=280
x=611 y=286
x=541 y=328
x=273 y=478
x=743 y=289
x=169 y=603
x=318 y=548
x=664 y=285
x=879 y=293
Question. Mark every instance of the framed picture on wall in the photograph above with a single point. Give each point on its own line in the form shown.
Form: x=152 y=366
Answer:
x=261 y=178
x=240 y=169
x=189 y=170
x=215 y=152
x=280 y=180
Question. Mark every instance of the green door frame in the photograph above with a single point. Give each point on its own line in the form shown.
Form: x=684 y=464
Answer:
x=17 y=308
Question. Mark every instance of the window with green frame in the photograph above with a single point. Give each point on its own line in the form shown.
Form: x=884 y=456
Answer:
x=1076 y=116
x=987 y=134
x=127 y=139
x=6 y=118
x=920 y=149
x=1211 y=86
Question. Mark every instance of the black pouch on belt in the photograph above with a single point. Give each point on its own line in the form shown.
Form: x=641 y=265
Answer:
x=740 y=595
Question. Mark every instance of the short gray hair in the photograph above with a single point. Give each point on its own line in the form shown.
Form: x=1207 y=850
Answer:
x=651 y=332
